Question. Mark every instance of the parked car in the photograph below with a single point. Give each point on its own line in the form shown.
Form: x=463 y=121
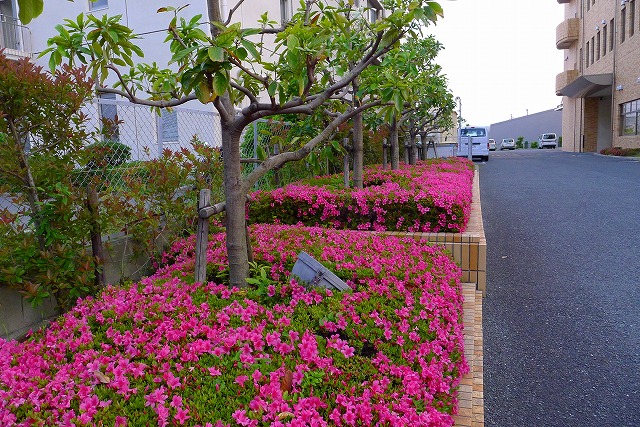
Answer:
x=479 y=137
x=508 y=144
x=548 y=140
x=492 y=144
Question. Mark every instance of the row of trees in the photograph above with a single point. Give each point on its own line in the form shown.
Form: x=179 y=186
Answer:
x=330 y=65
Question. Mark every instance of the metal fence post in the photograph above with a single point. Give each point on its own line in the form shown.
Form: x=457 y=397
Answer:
x=202 y=237
x=159 y=136
x=345 y=164
x=385 y=146
x=255 y=142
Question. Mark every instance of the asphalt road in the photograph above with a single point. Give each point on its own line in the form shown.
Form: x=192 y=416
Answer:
x=562 y=310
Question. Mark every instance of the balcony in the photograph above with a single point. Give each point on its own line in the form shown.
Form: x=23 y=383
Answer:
x=567 y=33
x=15 y=38
x=564 y=79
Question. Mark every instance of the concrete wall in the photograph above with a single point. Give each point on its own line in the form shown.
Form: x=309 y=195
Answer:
x=122 y=262
x=17 y=316
x=529 y=127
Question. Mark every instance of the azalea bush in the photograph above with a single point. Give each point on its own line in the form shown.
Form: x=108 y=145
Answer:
x=434 y=195
x=622 y=152
x=167 y=351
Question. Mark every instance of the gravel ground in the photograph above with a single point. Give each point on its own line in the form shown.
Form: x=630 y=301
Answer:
x=562 y=310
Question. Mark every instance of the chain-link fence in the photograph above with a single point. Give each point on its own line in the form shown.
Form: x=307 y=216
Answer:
x=263 y=138
x=131 y=134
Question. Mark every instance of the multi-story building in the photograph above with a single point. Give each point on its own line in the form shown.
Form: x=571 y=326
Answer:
x=600 y=84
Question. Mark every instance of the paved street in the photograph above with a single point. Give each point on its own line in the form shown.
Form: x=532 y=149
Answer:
x=562 y=310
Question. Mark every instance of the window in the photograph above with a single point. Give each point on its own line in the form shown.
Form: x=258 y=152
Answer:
x=632 y=17
x=587 y=53
x=593 y=45
x=604 y=40
x=169 y=126
x=611 y=34
x=598 y=46
x=98 y=4
x=623 y=24
x=581 y=57
x=373 y=12
x=286 y=10
x=473 y=132
x=630 y=118
x=109 y=117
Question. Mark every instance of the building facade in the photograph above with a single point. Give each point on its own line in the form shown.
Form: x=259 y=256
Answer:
x=600 y=83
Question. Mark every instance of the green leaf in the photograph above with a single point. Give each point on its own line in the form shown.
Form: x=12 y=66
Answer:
x=242 y=53
x=262 y=155
x=97 y=48
x=220 y=83
x=251 y=48
x=273 y=87
x=397 y=99
x=225 y=39
x=29 y=9
x=292 y=42
x=336 y=146
x=182 y=53
x=216 y=54
x=203 y=93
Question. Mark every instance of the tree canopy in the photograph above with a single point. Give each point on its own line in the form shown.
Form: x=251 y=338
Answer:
x=317 y=57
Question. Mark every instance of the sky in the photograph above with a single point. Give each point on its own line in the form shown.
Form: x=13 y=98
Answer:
x=500 y=56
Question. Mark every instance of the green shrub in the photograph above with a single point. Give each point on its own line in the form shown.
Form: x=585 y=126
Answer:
x=534 y=144
x=107 y=153
x=519 y=142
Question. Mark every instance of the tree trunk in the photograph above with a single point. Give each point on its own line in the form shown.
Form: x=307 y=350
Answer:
x=96 y=236
x=395 y=146
x=213 y=10
x=413 y=150
x=32 y=192
x=358 y=152
x=236 y=227
x=358 y=140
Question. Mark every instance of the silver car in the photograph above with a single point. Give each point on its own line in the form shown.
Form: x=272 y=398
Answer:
x=508 y=144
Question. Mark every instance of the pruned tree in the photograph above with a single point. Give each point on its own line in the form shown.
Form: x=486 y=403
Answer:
x=420 y=97
x=315 y=62
x=432 y=113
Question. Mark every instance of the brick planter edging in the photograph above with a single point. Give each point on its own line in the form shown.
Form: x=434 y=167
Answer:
x=469 y=249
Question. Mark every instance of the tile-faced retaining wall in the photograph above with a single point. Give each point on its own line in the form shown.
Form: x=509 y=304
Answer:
x=469 y=249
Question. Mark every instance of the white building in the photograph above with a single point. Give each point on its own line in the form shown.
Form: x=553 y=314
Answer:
x=146 y=133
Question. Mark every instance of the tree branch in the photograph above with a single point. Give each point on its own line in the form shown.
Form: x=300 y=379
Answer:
x=224 y=114
x=246 y=91
x=232 y=11
x=148 y=102
x=280 y=159
x=251 y=74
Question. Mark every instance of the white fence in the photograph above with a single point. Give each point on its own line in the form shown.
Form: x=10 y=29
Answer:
x=146 y=132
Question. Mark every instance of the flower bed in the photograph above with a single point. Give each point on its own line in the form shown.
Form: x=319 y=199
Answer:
x=433 y=196
x=166 y=351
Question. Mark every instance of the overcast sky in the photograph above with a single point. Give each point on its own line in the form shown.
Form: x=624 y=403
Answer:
x=500 y=56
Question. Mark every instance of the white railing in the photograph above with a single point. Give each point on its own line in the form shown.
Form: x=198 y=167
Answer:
x=14 y=37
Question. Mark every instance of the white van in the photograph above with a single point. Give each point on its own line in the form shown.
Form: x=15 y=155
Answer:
x=548 y=140
x=479 y=138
